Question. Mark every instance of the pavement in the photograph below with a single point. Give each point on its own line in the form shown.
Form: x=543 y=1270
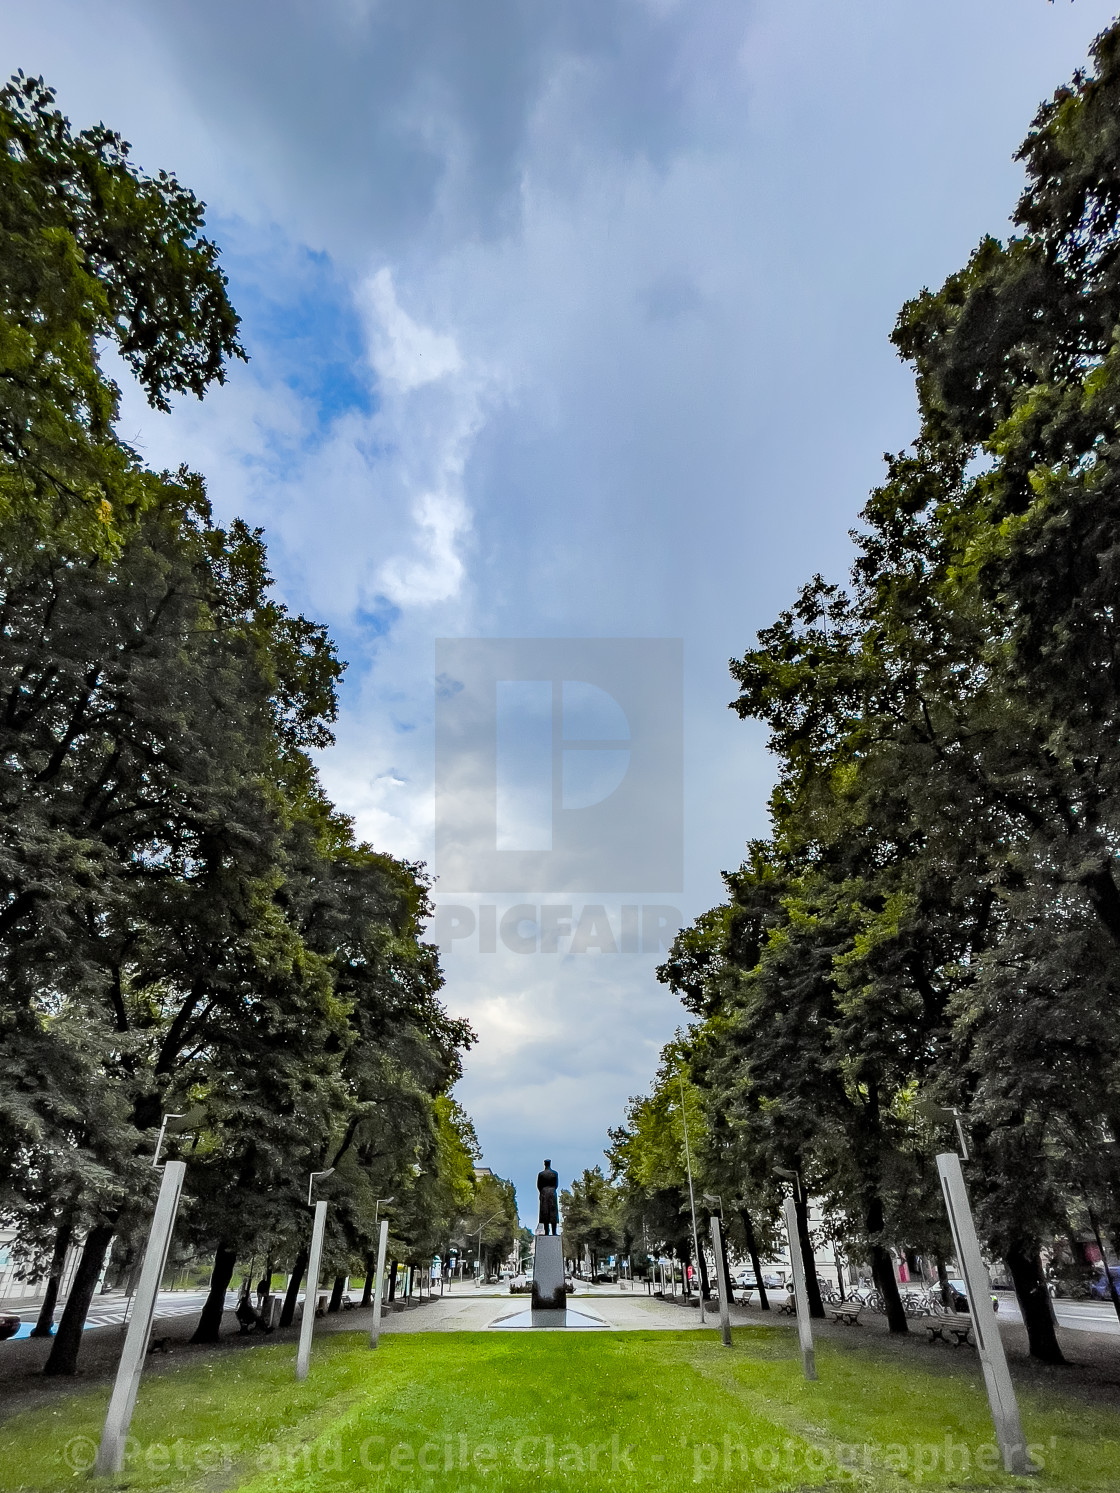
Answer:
x=468 y=1310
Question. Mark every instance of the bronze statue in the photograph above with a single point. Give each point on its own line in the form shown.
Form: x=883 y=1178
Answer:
x=547 y=1183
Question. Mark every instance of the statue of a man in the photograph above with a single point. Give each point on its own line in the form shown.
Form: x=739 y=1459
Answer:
x=547 y=1183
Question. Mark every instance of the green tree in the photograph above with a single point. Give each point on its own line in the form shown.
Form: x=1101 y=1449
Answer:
x=589 y=1214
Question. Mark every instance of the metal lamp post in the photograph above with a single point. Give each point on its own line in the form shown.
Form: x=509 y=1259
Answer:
x=478 y=1282
x=110 y=1452
x=713 y=1200
x=315 y=1259
x=1002 y=1400
x=797 y=1262
x=379 y=1285
x=691 y=1194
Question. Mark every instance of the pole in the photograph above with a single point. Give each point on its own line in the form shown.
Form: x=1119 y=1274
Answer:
x=691 y=1195
x=721 y=1279
x=375 y=1330
x=310 y=1300
x=800 y=1294
x=110 y=1454
x=989 y=1344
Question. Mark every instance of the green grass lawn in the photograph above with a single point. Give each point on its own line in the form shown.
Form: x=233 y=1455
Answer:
x=547 y=1412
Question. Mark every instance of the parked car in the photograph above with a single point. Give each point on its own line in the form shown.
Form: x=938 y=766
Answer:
x=773 y=1282
x=1098 y=1289
x=746 y=1280
x=958 y=1297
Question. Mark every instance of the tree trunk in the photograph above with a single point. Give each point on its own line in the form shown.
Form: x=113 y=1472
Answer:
x=1114 y=1294
x=209 y=1329
x=63 y=1357
x=1034 y=1302
x=752 y=1250
x=392 y=1279
x=45 y=1324
x=882 y=1271
x=726 y=1265
x=943 y=1283
x=335 y=1304
x=705 y=1288
x=367 y=1289
x=812 y=1284
x=288 y=1312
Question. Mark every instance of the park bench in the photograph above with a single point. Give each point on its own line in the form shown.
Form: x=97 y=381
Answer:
x=846 y=1312
x=789 y=1305
x=951 y=1327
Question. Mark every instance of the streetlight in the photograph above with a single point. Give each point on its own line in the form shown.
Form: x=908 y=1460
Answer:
x=159 y=1138
x=946 y=1112
x=691 y=1194
x=307 y=1325
x=797 y=1261
x=794 y=1177
x=169 y=1125
x=714 y=1203
x=491 y=1219
x=126 y=1386
x=379 y=1278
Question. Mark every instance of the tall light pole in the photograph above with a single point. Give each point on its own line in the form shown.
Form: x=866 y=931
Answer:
x=379 y=1282
x=691 y=1194
x=307 y=1325
x=478 y=1282
x=1002 y=1399
x=110 y=1453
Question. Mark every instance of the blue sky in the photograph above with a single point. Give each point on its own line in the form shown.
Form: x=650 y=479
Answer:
x=565 y=321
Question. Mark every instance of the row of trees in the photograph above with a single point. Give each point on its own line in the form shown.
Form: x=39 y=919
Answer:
x=935 y=916
x=186 y=923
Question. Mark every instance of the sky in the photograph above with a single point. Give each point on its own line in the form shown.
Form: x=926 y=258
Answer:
x=565 y=322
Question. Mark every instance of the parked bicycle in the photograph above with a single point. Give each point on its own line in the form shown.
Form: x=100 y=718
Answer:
x=920 y=1303
x=871 y=1297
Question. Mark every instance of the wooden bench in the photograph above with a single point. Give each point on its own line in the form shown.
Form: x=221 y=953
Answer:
x=847 y=1312
x=789 y=1305
x=954 y=1328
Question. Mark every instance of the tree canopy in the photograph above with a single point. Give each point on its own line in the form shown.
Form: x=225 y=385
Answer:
x=934 y=918
x=186 y=923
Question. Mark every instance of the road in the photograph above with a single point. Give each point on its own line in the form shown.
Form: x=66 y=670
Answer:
x=1078 y=1316
x=110 y=1311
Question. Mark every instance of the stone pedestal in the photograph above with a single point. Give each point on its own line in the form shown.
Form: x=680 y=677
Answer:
x=549 y=1298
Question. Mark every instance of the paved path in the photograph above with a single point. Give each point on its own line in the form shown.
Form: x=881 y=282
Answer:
x=627 y=1311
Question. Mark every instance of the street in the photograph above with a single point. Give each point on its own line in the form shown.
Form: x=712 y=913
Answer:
x=1078 y=1316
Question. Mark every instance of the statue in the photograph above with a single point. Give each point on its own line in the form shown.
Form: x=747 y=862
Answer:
x=547 y=1183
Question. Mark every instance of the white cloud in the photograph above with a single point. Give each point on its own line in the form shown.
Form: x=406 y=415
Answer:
x=431 y=409
x=629 y=371
x=402 y=351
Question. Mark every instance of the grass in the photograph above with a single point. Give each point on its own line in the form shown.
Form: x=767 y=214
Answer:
x=649 y=1412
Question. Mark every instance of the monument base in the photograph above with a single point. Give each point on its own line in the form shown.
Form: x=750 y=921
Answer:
x=549 y=1294
x=547 y=1321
